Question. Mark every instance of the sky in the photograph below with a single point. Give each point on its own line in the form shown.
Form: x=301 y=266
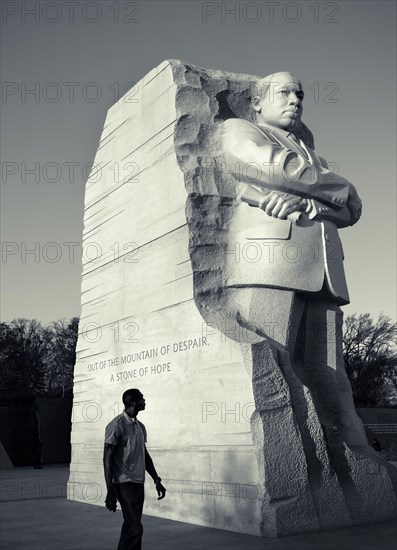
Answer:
x=65 y=63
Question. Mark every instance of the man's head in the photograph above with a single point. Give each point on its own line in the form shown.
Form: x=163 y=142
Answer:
x=133 y=402
x=279 y=100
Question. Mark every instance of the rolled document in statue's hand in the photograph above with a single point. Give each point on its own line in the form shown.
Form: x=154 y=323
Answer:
x=296 y=217
x=254 y=197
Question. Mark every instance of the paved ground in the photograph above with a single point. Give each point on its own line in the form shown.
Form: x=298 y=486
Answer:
x=35 y=515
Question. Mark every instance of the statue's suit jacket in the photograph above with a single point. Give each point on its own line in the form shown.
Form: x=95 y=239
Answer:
x=266 y=251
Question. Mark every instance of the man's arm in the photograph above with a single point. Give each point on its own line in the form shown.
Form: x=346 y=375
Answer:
x=108 y=452
x=151 y=470
x=318 y=212
x=348 y=215
x=252 y=158
x=351 y=211
x=282 y=205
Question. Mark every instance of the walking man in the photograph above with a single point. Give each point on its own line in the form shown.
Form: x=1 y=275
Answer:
x=125 y=460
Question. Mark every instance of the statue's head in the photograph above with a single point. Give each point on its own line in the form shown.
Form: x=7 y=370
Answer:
x=278 y=100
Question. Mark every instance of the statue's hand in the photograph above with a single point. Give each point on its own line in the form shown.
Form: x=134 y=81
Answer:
x=279 y=205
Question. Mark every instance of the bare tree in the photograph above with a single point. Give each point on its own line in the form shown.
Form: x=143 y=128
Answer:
x=370 y=353
x=24 y=349
x=8 y=373
x=36 y=359
x=62 y=356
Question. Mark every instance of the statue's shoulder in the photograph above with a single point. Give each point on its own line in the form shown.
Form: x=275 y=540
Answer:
x=238 y=125
x=237 y=130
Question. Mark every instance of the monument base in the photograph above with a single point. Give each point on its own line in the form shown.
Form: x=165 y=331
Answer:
x=234 y=434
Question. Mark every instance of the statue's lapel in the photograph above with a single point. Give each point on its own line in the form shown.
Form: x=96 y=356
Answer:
x=287 y=139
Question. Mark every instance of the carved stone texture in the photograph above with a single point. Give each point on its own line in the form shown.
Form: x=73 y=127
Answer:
x=232 y=425
x=140 y=327
x=314 y=461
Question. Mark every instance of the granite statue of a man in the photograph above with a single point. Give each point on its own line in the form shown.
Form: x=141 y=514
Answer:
x=240 y=243
x=288 y=283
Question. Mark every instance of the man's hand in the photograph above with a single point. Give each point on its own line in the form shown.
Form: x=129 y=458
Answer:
x=279 y=205
x=111 y=501
x=160 y=490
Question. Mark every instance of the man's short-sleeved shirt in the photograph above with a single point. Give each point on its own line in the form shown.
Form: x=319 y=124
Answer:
x=129 y=437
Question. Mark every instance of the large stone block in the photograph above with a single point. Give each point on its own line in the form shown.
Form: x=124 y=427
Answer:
x=235 y=437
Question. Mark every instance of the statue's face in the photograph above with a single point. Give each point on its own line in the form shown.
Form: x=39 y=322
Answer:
x=281 y=104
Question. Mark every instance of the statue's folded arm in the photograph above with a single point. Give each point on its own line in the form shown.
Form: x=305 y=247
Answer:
x=254 y=157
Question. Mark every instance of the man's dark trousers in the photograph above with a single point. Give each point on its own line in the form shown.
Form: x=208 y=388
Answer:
x=131 y=496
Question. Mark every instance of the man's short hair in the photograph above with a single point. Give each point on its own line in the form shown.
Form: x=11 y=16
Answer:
x=262 y=86
x=131 y=396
